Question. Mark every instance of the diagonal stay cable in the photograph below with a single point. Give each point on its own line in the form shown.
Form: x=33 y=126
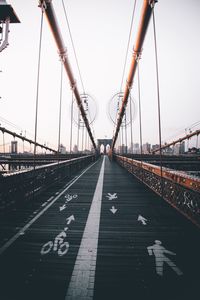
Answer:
x=73 y=46
x=127 y=49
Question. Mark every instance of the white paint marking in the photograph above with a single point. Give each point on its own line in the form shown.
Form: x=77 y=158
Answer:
x=113 y=210
x=160 y=258
x=70 y=219
x=62 y=207
x=111 y=196
x=68 y=199
x=142 y=220
x=18 y=234
x=81 y=285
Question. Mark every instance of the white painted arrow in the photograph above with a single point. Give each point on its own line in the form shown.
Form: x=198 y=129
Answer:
x=111 y=196
x=70 y=219
x=62 y=207
x=142 y=219
x=113 y=210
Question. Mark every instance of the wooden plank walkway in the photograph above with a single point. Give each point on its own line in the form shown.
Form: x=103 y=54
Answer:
x=103 y=236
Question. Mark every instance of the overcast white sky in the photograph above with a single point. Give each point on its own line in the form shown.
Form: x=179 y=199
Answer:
x=100 y=31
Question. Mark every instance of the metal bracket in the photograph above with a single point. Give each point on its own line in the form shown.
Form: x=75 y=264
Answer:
x=73 y=86
x=137 y=55
x=43 y=5
x=5 y=42
x=152 y=3
x=63 y=54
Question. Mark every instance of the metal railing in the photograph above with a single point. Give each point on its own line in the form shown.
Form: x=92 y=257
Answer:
x=178 y=189
x=25 y=184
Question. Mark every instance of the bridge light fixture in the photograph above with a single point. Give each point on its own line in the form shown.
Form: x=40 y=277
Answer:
x=7 y=16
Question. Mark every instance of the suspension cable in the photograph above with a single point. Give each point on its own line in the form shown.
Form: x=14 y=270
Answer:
x=158 y=101
x=74 y=50
x=70 y=33
x=128 y=44
x=143 y=25
x=126 y=56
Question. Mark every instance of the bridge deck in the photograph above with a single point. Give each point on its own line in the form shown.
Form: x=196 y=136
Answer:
x=90 y=240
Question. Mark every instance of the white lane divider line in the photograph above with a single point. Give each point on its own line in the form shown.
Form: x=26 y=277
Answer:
x=23 y=229
x=81 y=285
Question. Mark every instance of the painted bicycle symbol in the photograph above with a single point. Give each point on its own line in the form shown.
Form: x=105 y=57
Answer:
x=58 y=245
x=68 y=198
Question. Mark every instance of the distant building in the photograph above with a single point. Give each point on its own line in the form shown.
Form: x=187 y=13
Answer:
x=146 y=148
x=182 y=147
x=62 y=149
x=167 y=150
x=136 y=148
x=75 y=149
x=155 y=147
x=122 y=149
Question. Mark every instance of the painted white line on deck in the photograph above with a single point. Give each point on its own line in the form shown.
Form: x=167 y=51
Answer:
x=23 y=229
x=81 y=285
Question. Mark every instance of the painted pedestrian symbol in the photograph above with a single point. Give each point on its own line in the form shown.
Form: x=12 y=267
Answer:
x=159 y=252
x=58 y=245
x=111 y=196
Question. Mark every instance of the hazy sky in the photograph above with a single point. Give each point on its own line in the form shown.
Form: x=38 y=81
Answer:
x=100 y=30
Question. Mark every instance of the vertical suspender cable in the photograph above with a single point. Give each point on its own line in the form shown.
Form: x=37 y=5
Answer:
x=4 y=149
x=140 y=116
x=131 y=127
x=158 y=100
x=71 y=126
x=78 y=132
x=126 y=139
x=197 y=141
x=37 y=96
x=122 y=132
x=82 y=138
x=60 y=106
x=38 y=83
x=140 y=110
x=86 y=142
x=70 y=143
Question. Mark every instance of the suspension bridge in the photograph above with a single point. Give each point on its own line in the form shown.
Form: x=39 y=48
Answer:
x=99 y=220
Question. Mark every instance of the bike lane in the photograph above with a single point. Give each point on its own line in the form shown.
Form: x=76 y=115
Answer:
x=39 y=263
x=146 y=249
